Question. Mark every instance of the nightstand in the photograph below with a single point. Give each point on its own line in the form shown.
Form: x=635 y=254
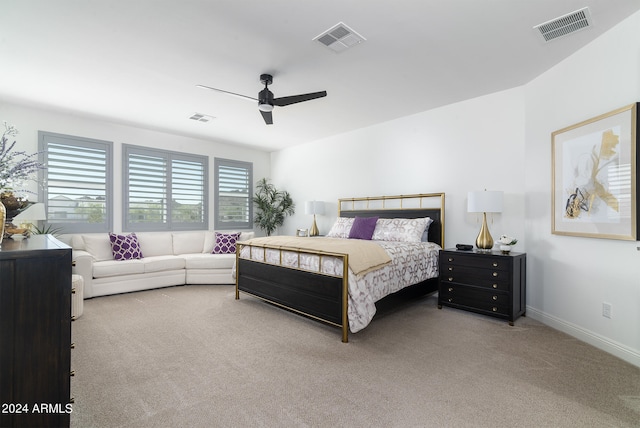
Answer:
x=487 y=283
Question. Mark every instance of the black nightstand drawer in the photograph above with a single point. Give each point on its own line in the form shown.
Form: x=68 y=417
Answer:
x=472 y=260
x=489 y=283
x=470 y=275
x=474 y=296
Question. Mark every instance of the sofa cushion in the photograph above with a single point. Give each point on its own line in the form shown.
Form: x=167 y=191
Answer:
x=98 y=246
x=125 y=247
x=117 y=268
x=188 y=242
x=209 y=261
x=210 y=238
x=162 y=263
x=156 y=243
x=225 y=243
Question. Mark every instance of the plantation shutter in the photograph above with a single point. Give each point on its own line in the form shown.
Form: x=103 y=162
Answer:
x=164 y=190
x=78 y=176
x=233 y=196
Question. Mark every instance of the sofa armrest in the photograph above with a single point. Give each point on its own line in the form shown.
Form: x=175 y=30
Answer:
x=83 y=265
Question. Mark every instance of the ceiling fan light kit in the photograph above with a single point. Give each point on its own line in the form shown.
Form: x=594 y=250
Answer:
x=265 y=99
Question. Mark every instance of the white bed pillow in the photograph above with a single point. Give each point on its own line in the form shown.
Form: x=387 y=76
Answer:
x=401 y=229
x=341 y=228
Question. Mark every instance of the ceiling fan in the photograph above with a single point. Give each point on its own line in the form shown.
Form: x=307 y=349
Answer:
x=265 y=99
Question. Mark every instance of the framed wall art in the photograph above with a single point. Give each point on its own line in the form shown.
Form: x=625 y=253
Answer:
x=594 y=180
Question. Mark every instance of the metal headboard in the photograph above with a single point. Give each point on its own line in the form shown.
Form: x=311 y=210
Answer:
x=400 y=206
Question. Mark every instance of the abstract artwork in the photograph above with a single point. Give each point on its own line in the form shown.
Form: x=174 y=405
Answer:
x=594 y=177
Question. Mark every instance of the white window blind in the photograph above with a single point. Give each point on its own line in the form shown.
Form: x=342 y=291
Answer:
x=78 y=193
x=233 y=195
x=164 y=190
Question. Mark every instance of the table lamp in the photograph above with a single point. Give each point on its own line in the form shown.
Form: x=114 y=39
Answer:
x=314 y=207
x=484 y=202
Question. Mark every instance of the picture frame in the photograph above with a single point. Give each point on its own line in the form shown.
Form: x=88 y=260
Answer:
x=594 y=177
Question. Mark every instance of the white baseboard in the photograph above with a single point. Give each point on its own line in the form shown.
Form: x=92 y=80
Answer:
x=625 y=353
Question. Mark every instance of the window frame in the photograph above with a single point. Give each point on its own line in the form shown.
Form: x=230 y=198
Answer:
x=44 y=139
x=243 y=225
x=169 y=156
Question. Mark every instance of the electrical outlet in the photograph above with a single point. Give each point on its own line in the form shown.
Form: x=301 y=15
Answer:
x=606 y=310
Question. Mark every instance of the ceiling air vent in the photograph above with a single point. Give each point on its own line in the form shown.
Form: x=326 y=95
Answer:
x=199 y=117
x=565 y=25
x=339 y=38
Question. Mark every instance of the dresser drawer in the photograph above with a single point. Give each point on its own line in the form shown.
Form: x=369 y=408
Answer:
x=497 y=303
x=470 y=260
x=489 y=282
x=473 y=275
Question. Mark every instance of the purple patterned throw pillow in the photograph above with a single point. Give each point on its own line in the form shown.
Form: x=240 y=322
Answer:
x=125 y=247
x=363 y=228
x=225 y=243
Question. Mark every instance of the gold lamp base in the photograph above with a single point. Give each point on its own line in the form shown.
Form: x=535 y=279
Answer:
x=314 y=228
x=484 y=241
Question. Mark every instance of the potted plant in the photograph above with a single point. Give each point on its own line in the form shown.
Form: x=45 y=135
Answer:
x=272 y=206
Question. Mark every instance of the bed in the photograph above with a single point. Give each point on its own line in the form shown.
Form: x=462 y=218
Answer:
x=337 y=280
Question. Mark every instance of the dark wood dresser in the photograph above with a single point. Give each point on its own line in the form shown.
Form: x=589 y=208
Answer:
x=35 y=332
x=488 y=283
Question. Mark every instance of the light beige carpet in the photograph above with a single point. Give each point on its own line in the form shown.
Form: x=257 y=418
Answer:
x=193 y=356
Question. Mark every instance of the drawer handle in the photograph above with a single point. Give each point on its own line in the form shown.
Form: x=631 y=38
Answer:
x=450 y=279
x=450 y=268
x=450 y=288
x=73 y=345
x=494 y=309
x=450 y=259
x=495 y=264
x=73 y=291
x=495 y=274
x=495 y=285
x=73 y=318
x=73 y=373
x=495 y=297
x=450 y=300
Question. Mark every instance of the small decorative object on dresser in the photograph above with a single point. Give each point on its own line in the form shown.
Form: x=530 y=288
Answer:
x=506 y=242
x=487 y=283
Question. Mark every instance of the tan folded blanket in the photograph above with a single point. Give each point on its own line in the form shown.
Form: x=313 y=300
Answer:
x=364 y=256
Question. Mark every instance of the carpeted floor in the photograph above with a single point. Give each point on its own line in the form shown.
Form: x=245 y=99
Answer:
x=193 y=356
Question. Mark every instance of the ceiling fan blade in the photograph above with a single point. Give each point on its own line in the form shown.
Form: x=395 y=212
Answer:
x=285 y=101
x=228 y=93
x=267 y=116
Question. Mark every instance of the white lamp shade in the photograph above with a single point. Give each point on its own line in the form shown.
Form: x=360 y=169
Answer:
x=314 y=207
x=34 y=212
x=485 y=201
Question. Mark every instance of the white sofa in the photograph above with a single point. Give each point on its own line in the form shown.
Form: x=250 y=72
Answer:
x=169 y=258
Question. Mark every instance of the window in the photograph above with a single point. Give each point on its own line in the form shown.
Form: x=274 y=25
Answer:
x=233 y=201
x=164 y=190
x=78 y=191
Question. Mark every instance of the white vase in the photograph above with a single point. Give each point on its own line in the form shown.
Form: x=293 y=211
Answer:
x=505 y=248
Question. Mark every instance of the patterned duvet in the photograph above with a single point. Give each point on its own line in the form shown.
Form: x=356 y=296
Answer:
x=411 y=263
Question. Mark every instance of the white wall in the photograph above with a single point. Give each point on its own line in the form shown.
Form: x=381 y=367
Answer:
x=570 y=277
x=500 y=142
x=474 y=145
x=30 y=120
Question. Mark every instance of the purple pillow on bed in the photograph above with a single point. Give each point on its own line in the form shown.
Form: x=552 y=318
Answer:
x=363 y=228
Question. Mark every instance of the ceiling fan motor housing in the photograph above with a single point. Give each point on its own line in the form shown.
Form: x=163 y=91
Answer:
x=265 y=100
x=265 y=97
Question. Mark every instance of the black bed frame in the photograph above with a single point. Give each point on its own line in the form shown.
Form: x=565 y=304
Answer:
x=323 y=297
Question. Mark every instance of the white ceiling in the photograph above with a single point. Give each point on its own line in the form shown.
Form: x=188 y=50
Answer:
x=138 y=62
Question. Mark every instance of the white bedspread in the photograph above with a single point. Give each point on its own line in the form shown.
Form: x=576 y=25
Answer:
x=411 y=263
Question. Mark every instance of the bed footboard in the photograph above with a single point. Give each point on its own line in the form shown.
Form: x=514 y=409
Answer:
x=314 y=294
